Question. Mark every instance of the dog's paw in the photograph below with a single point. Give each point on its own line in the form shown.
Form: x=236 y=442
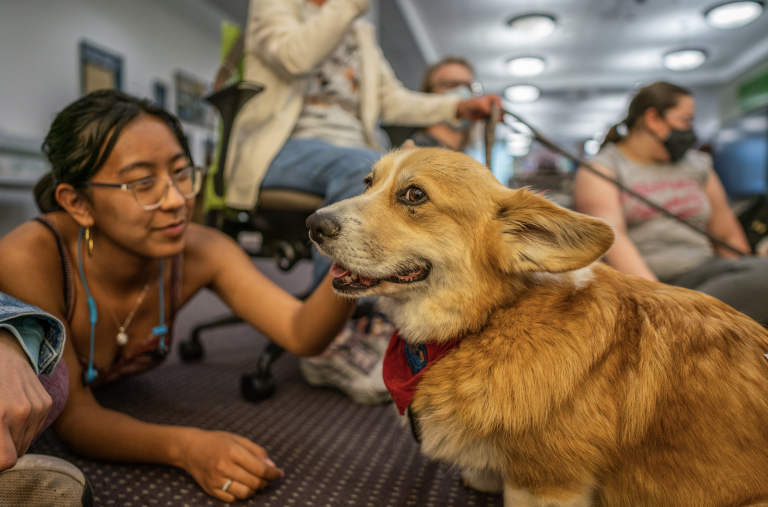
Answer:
x=486 y=481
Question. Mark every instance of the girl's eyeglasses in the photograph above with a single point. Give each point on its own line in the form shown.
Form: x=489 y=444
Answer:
x=151 y=192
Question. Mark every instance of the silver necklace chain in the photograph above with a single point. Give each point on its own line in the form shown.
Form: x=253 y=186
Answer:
x=122 y=337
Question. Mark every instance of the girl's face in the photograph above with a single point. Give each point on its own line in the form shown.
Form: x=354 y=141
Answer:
x=146 y=147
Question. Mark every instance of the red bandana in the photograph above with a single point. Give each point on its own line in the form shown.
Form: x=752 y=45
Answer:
x=405 y=363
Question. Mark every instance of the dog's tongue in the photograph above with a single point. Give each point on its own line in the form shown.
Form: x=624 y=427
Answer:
x=337 y=271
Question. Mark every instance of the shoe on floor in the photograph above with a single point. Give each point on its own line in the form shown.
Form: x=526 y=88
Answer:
x=349 y=366
x=375 y=331
x=44 y=481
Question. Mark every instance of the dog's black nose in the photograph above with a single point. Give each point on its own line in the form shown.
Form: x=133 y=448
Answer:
x=322 y=227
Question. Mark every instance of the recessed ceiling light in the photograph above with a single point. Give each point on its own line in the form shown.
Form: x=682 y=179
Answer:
x=521 y=94
x=527 y=66
x=533 y=25
x=734 y=14
x=686 y=59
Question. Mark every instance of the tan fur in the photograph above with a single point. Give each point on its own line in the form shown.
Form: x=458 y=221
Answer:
x=579 y=385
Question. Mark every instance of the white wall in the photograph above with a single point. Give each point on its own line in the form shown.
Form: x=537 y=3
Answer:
x=40 y=67
x=39 y=60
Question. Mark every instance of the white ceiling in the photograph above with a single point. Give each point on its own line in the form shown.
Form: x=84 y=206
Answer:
x=605 y=43
x=600 y=51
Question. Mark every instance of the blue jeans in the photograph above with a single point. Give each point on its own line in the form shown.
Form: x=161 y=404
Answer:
x=42 y=338
x=317 y=167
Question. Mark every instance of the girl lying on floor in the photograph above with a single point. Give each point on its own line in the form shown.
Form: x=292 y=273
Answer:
x=114 y=257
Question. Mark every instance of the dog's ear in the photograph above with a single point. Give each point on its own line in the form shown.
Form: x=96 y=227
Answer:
x=537 y=235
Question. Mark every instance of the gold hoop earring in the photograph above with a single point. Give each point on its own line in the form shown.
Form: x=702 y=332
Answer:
x=89 y=241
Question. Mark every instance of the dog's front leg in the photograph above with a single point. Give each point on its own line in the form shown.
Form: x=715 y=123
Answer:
x=515 y=497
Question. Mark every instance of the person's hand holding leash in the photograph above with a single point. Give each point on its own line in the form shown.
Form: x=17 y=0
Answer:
x=24 y=402
x=227 y=466
x=477 y=108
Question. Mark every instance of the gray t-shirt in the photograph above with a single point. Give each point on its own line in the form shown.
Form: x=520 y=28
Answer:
x=667 y=246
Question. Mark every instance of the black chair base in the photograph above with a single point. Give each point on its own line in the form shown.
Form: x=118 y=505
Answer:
x=284 y=238
x=192 y=349
x=254 y=387
x=260 y=384
x=278 y=231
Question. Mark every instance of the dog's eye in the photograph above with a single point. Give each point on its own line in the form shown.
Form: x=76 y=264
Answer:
x=415 y=194
x=367 y=181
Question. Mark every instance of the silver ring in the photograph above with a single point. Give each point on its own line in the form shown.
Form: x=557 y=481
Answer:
x=226 y=485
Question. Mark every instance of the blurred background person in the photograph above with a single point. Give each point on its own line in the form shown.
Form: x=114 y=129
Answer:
x=656 y=158
x=450 y=76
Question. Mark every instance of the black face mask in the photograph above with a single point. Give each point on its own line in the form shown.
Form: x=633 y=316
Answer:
x=679 y=142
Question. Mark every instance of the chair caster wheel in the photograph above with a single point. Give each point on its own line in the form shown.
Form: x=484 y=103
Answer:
x=254 y=388
x=191 y=350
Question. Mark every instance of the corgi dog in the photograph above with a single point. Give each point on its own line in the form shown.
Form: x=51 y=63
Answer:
x=520 y=357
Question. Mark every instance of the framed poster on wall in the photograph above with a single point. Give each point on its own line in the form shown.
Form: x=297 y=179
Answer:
x=190 y=106
x=160 y=94
x=99 y=69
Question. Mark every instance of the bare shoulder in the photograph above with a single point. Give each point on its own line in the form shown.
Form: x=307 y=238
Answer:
x=32 y=269
x=204 y=242
x=208 y=251
x=597 y=166
x=30 y=245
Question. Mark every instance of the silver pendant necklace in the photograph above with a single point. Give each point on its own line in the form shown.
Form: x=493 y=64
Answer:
x=122 y=337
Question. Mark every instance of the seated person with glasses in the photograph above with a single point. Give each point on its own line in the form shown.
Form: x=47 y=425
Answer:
x=452 y=76
x=114 y=257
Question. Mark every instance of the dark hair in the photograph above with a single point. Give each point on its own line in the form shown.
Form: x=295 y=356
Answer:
x=426 y=82
x=83 y=136
x=661 y=96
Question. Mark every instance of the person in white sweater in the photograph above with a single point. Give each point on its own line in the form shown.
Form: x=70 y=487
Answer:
x=315 y=129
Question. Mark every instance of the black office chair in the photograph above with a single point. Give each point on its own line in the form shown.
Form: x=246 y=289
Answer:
x=276 y=228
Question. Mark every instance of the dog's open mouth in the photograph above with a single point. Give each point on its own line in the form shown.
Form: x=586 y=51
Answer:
x=346 y=280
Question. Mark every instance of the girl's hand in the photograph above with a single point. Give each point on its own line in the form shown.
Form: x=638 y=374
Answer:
x=215 y=457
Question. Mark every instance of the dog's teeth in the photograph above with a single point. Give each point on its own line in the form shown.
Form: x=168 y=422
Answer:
x=347 y=279
x=354 y=276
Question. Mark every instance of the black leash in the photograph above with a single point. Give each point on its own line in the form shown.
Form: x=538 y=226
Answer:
x=489 y=138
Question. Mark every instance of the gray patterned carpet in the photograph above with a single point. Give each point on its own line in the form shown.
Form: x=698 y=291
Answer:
x=334 y=453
